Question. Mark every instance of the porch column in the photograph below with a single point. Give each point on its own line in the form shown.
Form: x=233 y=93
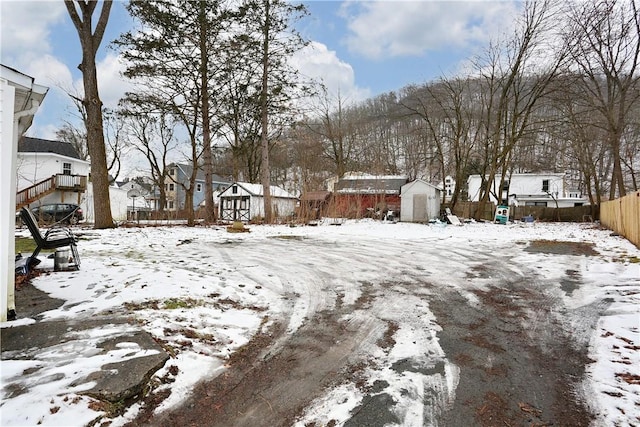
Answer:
x=20 y=101
x=8 y=154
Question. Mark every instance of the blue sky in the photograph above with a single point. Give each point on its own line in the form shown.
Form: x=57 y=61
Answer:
x=359 y=48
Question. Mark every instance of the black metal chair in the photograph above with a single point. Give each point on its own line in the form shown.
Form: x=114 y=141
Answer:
x=54 y=238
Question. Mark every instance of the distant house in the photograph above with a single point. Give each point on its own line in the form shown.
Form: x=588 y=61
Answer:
x=448 y=186
x=140 y=197
x=243 y=201
x=49 y=172
x=179 y=175
x=357 y=194
x=529 y=189
x=420 y=202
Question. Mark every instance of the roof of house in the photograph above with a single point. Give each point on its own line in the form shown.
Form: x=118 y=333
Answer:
x=257 y=190
x=187 y=169
x=370 y=184
x=518 y=175
x=38 y=145
x=422 y=182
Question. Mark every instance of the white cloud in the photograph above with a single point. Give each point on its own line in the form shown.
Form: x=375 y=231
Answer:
x=111 y=85
x=26 y=27
x=318 y=62
x=407 y=28
x=48 y=70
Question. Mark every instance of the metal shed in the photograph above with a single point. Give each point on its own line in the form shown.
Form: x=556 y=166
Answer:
x=419 y=201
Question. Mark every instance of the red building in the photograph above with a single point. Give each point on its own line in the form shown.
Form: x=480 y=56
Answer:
x=360 y=195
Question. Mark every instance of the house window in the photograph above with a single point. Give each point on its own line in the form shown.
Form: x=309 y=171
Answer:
x=574 y=195
x=505 y=185
x=171 y=187
x=172 y=172
x=545 y=185
x=66 y=168
x=536 y=204
x=234 y=189
x=199 y=187
x=170 y=204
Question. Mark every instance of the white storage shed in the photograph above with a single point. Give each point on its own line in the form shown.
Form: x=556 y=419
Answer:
x=419 y=201
x=243 y=201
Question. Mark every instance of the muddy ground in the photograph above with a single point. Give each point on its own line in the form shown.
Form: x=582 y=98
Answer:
x=502 y=350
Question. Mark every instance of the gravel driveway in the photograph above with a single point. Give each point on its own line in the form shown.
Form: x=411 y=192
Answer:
x=425 y=333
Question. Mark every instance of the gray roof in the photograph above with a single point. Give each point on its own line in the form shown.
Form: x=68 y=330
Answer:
x=371 y=185
x=187 y=169
x=37 y=145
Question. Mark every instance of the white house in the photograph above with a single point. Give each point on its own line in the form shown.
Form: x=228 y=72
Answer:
x=529 y=189
x=49 y=172
x=243 y=201
x=20 y=99
x=448 y=186
x=140 y=197
x=419 y=201
x=39 y=159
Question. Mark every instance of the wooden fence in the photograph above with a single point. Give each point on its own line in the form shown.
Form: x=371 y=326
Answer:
x=623 y=216
x=586 y=213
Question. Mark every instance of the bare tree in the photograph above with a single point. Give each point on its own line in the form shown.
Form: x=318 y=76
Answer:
x=72 y=133
x=152 y=135
x=239 y=112
x=512 y=85
x=76 y=137
x=333 y=130
x=175 y=59
x=312 y=168
x=81 y=13
x=604 y=41
x=268 y=32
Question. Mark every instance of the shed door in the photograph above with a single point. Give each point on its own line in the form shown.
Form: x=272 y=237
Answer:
x=420 y=207
x=235 y=208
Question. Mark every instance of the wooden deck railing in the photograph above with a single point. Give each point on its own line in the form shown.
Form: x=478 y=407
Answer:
x=76 y=183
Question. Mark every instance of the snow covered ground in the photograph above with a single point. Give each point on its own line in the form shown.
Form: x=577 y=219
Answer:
x=206 y=292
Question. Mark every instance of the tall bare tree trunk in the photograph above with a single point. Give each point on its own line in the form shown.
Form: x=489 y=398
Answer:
x=207 y=157
x=264 y=115
x=90 y=41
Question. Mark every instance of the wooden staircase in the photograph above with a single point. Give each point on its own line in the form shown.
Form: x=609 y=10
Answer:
x=59 y=182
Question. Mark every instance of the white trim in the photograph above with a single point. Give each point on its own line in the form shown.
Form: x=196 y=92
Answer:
x=46 y=153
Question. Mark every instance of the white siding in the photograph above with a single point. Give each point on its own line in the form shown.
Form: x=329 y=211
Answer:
x=284 y=203
x=118 y=199
x=520 y=185
x=35 y=167
x=419 y=192
x=529 y=188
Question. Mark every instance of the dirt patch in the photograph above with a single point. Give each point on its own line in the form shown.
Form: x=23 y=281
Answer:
x=267 y=384
x=510 y=376
x=570 y=282
x=387 y=341
x=555 y=247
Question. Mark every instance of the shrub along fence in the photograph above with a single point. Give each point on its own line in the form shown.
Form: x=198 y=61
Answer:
x=623 y=216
